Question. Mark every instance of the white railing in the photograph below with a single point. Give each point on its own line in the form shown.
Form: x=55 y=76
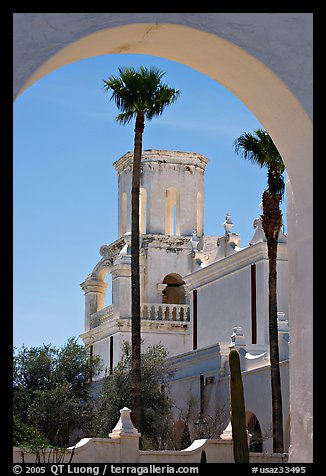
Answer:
x=101 y=316
x=149 y=311
x=165 y=312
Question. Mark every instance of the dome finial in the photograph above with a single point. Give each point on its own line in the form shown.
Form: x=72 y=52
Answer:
x=228 y=224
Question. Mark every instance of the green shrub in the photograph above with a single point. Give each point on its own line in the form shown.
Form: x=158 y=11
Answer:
x=25 y=436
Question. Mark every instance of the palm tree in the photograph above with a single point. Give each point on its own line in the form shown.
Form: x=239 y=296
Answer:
x=260 y=149
x=138 y=94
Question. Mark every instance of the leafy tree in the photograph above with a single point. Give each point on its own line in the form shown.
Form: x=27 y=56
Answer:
x=51 y=386
x=117 y=393
x=31 y=441
x=139 y=95
x=26 y=436
x=260 y=149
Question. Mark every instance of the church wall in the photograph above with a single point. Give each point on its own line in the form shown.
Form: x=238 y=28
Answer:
x=155 y=185
x=173 y=342
x=185 y=179
x=102 y=349
x=175 y=339
x=257 y=393
x=261 y=304
x=224 y=295
x=283 y=286
x=121 y=291
x=185 y=391
x=262 y=270
x=184 y=388
x=222 y=305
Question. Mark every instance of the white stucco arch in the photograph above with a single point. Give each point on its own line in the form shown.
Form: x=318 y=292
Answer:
x=265 y=59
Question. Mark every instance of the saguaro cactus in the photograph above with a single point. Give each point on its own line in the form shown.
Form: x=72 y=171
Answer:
x=238 y=417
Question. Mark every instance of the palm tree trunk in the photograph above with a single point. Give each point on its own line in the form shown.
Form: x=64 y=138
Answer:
x=274 y=353
x=271 y=223
x=135 y=276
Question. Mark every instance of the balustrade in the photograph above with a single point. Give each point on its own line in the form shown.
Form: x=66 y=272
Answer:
x=149 y=311
x=165 y=312
x=101 y=316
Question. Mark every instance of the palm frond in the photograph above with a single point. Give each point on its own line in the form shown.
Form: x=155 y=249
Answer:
x=260 y=149
x=276 y=185
x=250 y=148
x=139 y=90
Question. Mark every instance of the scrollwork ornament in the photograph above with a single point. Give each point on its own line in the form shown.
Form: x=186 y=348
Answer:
x=105 y=250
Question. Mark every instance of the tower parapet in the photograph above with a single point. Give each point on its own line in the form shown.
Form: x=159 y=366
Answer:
x=171 y=192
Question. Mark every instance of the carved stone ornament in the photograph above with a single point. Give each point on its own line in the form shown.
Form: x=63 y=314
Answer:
x=105 y=250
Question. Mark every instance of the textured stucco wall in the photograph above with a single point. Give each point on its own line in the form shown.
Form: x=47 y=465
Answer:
x=37 y=36
x=224 y=301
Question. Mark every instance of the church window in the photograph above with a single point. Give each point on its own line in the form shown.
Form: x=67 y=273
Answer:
x=253 y=305
x=142 y=210
x=253 y=427
x=201 y=393
x=91 y=353
x=124 y=214
x=172 y=215
x=199 y=217
x=194 y=315
x=174 y=292
x=111 y=354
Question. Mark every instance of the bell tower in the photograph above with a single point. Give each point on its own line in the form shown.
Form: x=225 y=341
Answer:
x=170 y=218
x=171 y=211
x=171 y=193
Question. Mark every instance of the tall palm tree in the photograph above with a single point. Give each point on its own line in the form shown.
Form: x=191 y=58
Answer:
x=260 y=149
x=138 y=94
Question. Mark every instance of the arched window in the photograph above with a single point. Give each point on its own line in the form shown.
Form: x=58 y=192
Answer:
x=253 y=427
x=142 y=210
x=174 y=293
x=124 y=214
x=199 y=217
x=172 y=214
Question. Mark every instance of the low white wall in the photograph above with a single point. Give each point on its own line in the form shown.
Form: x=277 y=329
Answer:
x=268 y=458
x=119 y=450
x=123 y=447
x=217 y=451
x=108 y=450
x=23 y=455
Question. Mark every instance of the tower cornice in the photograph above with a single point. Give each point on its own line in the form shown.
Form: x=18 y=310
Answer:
x=162 y=156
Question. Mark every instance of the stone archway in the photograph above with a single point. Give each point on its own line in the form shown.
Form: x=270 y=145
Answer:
x=254 y=429
x=259 y=58
x=174 y=292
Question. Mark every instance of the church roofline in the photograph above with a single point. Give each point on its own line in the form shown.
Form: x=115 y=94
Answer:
x=162 y=156
x=234 y=262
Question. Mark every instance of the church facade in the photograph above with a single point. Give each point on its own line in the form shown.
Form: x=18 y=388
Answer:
x=200 y=296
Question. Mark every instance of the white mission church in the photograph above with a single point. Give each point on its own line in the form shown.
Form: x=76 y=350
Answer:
x=200 y=296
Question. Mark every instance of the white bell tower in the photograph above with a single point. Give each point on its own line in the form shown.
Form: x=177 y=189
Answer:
x=171 y=217
x=171 y=194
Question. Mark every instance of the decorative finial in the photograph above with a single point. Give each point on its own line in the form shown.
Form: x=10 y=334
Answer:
x=228 y=224
x=124 y=427
x=194 y=241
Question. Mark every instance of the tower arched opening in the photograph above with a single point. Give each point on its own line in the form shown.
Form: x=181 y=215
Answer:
x=174 y=292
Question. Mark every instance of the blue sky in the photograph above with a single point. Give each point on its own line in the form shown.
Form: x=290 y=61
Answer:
x=65 y=187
